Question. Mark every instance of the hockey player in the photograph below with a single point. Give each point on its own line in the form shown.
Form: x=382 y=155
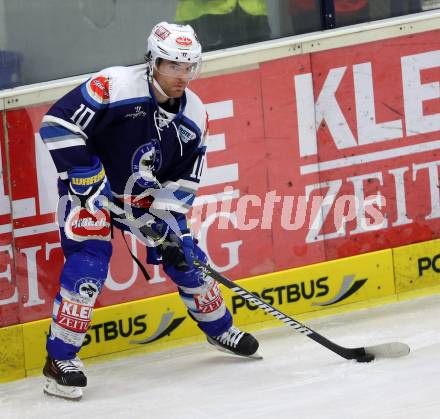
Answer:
x=135 y=136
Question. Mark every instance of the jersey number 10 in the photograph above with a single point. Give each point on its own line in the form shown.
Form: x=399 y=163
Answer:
x=198 y=167
x=82 y=116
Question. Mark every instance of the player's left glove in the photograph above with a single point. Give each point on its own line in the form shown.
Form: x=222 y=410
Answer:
x=178 y=247
x=179 y=251
x=177 y=268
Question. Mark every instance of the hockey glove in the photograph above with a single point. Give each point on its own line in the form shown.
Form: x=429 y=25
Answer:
x=178 y=248
x=89 y=186
x=179 y=251
x=182 y=274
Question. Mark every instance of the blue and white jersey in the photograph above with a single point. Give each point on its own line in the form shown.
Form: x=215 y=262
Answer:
x=115 y=116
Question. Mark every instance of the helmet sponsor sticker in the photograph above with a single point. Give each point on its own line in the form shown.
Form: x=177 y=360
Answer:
x=162 y=33
x=184 y=41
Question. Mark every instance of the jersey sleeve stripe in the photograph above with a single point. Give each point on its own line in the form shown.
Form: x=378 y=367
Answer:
x=171 y=205
x=50 y=120
x=65 y=143
x=185 y=185
x=56 y=133
x=183 y=195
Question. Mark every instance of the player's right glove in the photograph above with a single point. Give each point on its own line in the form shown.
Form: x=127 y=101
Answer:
x=88 y=189
x=89 y=186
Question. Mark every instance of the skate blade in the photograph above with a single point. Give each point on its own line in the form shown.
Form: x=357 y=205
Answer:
x=52 y=388
x=256 y=355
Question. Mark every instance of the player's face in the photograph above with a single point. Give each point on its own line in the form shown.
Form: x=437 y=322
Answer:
x=173 y=76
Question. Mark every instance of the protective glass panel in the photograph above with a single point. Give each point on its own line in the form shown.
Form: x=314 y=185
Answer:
x=305 y=15
x=349 y=12
x=50 y=39
x=63 y=38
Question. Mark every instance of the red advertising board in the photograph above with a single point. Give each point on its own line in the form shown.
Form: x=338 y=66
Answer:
x=361 y=125
x=310 y=158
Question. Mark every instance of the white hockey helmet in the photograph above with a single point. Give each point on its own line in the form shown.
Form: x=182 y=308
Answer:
x=174 y=43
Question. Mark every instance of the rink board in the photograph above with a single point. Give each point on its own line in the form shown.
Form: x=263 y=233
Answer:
x=162 y=321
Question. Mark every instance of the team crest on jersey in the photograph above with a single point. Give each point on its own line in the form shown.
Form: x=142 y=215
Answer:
x=186 y=134
x=99 y=89
x=146 y=161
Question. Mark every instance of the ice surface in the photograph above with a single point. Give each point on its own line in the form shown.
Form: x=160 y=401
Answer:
x=298 y=378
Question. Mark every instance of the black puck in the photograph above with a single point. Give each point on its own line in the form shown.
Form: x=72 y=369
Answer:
x=365 y=358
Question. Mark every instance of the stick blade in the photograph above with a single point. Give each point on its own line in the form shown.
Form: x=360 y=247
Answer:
x=388 y=350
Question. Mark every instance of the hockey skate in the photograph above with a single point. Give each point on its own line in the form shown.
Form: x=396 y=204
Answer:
x=64 y=378
x=236 y=342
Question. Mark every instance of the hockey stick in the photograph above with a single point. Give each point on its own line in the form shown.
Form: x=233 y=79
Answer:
x=360 y=354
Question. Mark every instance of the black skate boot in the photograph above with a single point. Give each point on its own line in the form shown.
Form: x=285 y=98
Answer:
x=237 y=342
x=64 y=378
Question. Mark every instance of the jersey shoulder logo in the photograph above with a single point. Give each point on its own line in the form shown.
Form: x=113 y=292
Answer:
x=99 y=89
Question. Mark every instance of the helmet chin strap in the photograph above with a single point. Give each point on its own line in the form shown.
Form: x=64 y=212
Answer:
x=159 y=88
x=156 y=84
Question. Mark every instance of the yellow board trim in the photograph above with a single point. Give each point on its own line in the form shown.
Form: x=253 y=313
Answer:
x=417 y=266
x=12 y=365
